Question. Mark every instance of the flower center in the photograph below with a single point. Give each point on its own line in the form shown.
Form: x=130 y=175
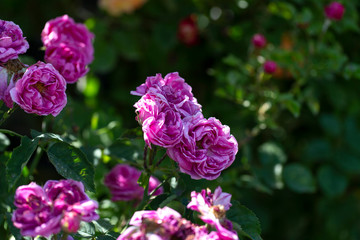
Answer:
x=219 y=211
x=40 y=87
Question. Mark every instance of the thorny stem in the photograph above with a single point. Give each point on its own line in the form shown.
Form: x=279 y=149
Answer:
x=145 y=156
x=152 y=156
x=161 y=159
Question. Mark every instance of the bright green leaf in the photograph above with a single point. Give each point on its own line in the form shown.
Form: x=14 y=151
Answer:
x=71 y=162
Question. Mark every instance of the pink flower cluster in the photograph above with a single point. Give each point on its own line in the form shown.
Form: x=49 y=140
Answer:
x=59 y=205
x=259 y=41
x=122 y=182
x=68 y=47
x=166 y=224
x=12 y=42
x=171 y=118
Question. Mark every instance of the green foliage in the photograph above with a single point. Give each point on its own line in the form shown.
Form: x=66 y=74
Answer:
x=298 y=129
x=299 y=178
x=19 y=158
x=71 y=162
x=247 y=220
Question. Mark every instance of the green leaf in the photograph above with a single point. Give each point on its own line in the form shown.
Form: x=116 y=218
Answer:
x=71 y=162
x=103 y=226
x=331 y=182
x=19 y=158
x=271 y=154
x=109 y=236
x=299 y=178
x=248 y=221
x=291 y=104
x=87 y=230
x=330 y=124
x=47 y=136
x=347 y=162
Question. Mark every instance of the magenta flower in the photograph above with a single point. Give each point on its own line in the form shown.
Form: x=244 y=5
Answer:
x=213 y=207
x=34 y=214
x=5 y=87
x=161 y=123
x=206 y=148
x=334 y=11
x=258 y=40
x=151 y=82
x=41 y=90
x=12 y=42
x=175 y=90
x=64 y=30
x=122 y=183
x=69 y=196
x=71 y=222
x=68 y=60
x=164 y=223
x=270 y=67
x=205 y=200
x=179 y=93
x=58 y=205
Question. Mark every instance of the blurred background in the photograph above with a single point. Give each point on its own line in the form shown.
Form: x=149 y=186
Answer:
x=298 y=128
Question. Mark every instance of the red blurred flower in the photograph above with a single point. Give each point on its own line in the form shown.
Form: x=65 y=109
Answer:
x=334 y=11
x=258 y=40
x=188 y=32
x=270 y=67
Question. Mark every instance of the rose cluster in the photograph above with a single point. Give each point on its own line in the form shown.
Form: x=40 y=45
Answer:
x=59 y=205
x=166 y=223
x=171 y=118
x=122 y=182
x=41 y=88
x=68 y=47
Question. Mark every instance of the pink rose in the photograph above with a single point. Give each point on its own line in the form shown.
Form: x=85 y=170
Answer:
x=206 y=148
x=34 y=215
x=68 y=60
x=179 y=93
x=12 y=42
x=161 y=123
x=64 y=30
x=151 y=82
x=334 y=11
x=175 y=90
x=69 y=197
x=122 y=183
x=65 y=193
x=41 y=90
x=270 y=67
x=258 y=40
